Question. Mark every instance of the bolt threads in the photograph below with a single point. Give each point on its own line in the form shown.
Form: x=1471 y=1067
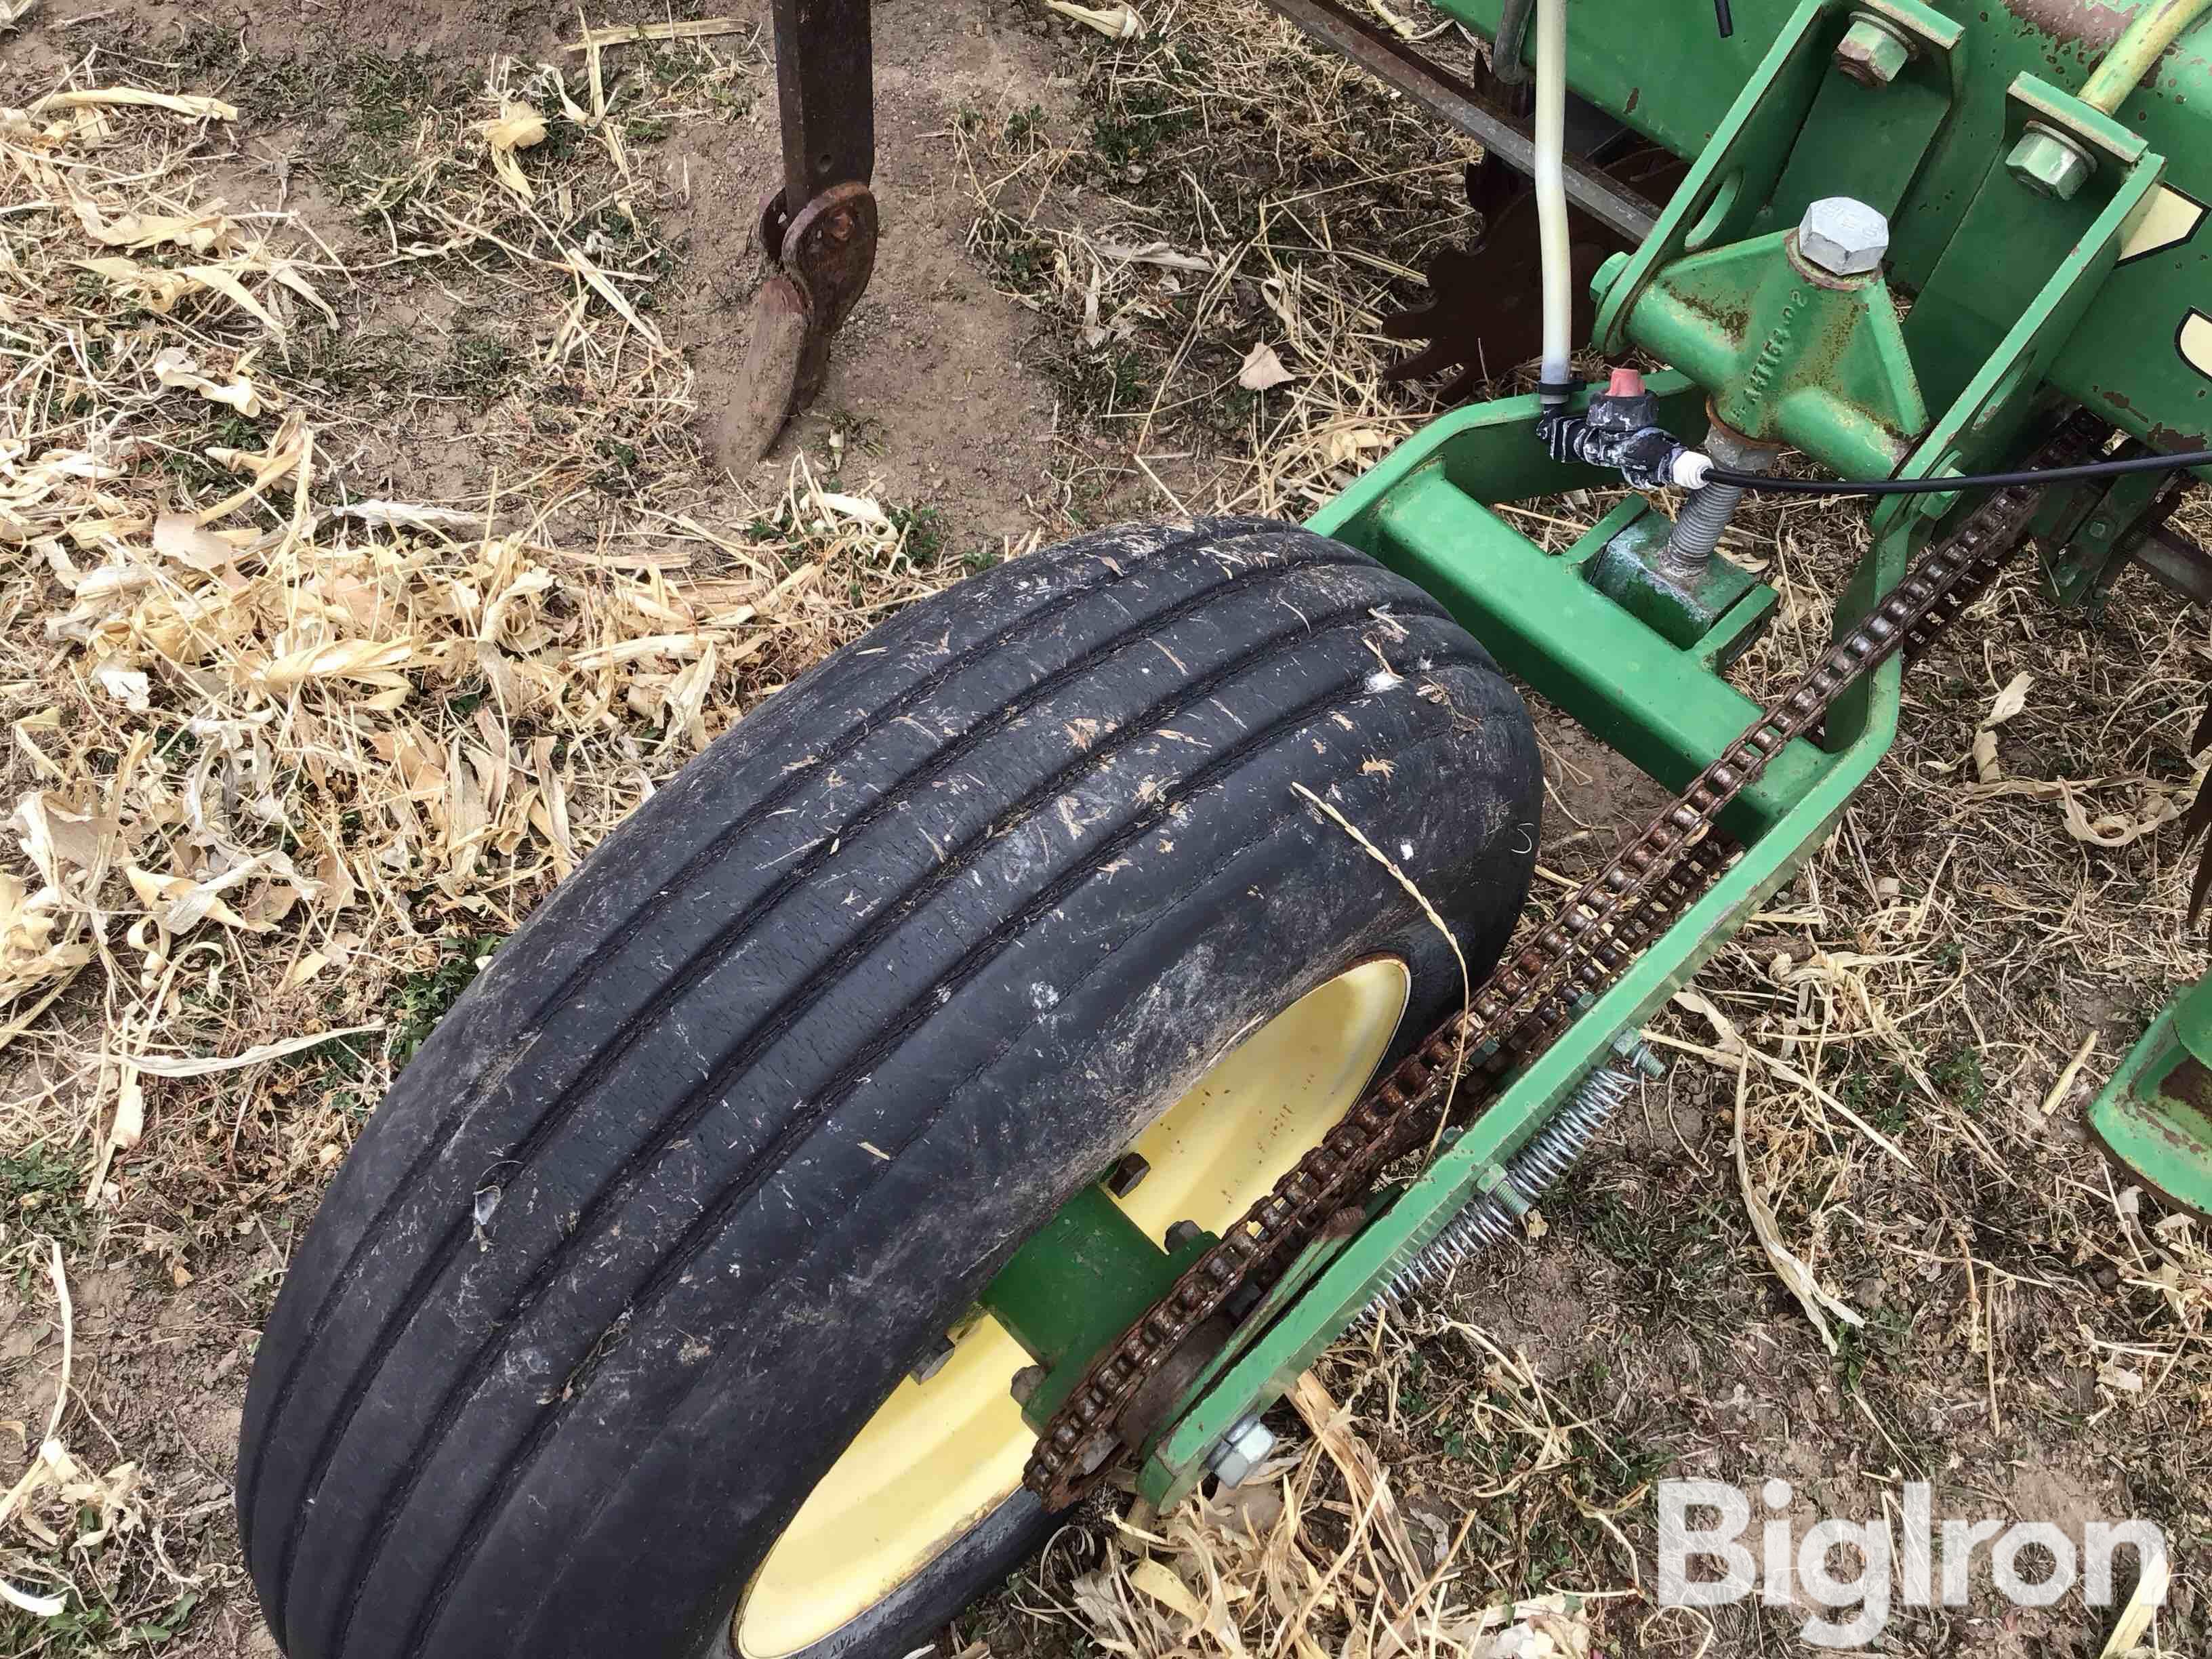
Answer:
x=1698 y=532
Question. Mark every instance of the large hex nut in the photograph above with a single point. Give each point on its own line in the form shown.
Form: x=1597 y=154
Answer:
x=1242 y=1449
x=2049 y=163
x=1842 y=237
x=1872 y=52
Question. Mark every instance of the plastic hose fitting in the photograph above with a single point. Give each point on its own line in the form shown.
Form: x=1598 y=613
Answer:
x=1620 y=431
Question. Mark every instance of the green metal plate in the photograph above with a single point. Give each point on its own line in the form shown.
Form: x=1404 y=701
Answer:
x=1657 y=703
x=2156 y=1115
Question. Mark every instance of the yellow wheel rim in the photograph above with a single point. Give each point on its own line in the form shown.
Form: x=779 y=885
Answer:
x=939 y=1457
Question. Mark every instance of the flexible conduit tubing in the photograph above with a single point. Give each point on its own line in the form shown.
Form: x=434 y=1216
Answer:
x=2153 y=30
x=1552 y=190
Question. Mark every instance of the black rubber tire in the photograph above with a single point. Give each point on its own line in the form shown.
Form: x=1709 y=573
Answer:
x=616 y=1269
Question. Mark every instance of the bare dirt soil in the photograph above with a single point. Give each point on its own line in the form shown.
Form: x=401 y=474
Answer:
x=1084 y=241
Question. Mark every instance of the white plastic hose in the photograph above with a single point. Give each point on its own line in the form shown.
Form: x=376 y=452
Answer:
x=1552 y=189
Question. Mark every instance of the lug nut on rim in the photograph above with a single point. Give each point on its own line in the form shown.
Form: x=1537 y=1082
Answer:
x=932 y=1362
x=1125 y=1178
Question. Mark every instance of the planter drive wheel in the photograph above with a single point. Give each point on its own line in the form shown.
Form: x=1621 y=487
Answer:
x=600 y=1344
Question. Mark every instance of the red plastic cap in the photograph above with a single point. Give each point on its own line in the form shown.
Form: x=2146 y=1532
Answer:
x=1626 y=383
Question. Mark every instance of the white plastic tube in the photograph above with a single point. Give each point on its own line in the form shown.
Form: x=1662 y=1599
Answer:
x=1552 y=189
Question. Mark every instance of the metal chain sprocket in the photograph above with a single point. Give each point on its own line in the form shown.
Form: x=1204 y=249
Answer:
x=1525 y=1004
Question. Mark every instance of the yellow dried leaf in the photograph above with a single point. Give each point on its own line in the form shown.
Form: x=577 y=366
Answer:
x=130 y=1126
x=305 y=970
x=1158 y=1581
x=205 y=232
x=615 y=34
x=1114 y=22
x=1986 y=770
x=2159 y=808
x=181 y=536
x=30 y=957
x=372 y=661
x=158 y=290
x=287 y=272
x=2011 y=701
x=193 y=104
x=1346 y=444
x=224 y=282
x=607 y=291
x=174 y=368
x=180 y=904
x=519 y=127
x=1262 y=370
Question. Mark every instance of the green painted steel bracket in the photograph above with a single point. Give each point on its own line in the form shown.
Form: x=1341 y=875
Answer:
x=1657 y=704
x=1732 y=188
x=2107 y=525
x=2156 y=1115
x=1085 y=1277
x=1424 y=511
x=1994 y=407
x=1799 y=358
x=1716 y=620
x=1873 y=142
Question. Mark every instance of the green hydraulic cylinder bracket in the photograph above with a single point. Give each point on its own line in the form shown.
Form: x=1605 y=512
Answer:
x=1799 y=357
x=2156 y=1115
x=1088 y=1275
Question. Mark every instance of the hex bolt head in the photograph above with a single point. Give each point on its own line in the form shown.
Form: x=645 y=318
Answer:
x=933 y=1361
x=1025 y=1383
x=1124 y=1178
x=1842 y=237
x=1243 y=1449
x=2049 y=163
x=1183 y=1234
x=1632 y=1050
x=1871 y=52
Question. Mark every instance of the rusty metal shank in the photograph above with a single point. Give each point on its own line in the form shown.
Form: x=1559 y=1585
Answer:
x=819 y=229
x=824 y=86
x=1436 y=90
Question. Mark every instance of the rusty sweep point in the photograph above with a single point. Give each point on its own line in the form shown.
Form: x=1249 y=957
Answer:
x=745 y=428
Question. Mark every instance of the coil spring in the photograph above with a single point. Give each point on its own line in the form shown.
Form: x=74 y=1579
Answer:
x=1490 y=1221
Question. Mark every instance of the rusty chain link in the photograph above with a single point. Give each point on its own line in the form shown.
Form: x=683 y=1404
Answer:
x=1527 y=1002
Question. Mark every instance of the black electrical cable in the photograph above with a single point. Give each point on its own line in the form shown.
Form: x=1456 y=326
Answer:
x=1773 y=486
x=1725 y=17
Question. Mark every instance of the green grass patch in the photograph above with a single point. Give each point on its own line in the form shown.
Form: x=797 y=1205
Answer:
x=41 y=1187
x=424 y=997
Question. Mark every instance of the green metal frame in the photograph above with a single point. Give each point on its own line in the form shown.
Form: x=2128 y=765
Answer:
x=2008 y=282
x=1084 y=1278
x=2156 y=1115
x=1922 y=149
x=1426 y=512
